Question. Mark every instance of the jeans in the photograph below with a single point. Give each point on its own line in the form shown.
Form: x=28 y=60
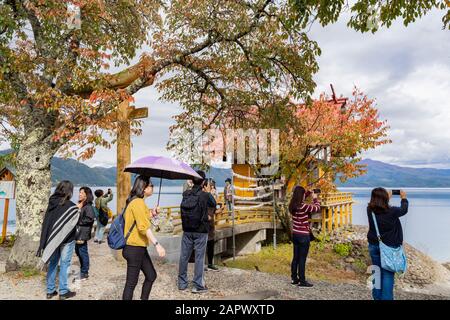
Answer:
x=384 y=280
x=298 y=265
x=229 y=204
x=83 y=254
x=63 y=255
x=138 y=259
x=192 y=241
x=99 y=231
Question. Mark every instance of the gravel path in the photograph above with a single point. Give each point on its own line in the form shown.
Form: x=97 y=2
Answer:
x=107 y=278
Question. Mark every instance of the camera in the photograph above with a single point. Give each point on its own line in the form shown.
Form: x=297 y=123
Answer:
x=396 y=192
x=316 y=191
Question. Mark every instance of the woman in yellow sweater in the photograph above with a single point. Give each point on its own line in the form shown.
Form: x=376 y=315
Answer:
x=137 y=219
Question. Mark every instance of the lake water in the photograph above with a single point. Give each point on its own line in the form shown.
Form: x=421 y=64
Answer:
x=426 y=226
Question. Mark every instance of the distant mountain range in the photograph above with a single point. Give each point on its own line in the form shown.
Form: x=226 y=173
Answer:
x=391 y=176
x=379 y=174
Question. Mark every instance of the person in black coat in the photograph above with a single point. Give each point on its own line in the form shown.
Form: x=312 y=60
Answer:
x=388 y=221
x=84 y=230
x=58 y=239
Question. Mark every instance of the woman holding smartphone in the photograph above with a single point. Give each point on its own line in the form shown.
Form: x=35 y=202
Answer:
x=301 y=233
x=137 y=219
x=388 y=220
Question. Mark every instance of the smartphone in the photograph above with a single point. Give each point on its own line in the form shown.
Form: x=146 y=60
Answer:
x=316 y=191
x=396 y=192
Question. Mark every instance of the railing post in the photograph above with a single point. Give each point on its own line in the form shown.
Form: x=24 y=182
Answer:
x=351 y=213
x=324 y=220
x=330 y=219
x=346 y=214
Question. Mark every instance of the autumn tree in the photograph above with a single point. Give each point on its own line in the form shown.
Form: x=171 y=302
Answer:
x=58 y=96
x=344 y=128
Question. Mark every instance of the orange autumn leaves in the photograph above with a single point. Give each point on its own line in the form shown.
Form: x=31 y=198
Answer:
x=348 y=126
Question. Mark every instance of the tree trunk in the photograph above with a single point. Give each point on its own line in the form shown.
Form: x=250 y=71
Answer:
x=33 y=184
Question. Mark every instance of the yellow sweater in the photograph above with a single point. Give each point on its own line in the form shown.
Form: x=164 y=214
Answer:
x=137 y=211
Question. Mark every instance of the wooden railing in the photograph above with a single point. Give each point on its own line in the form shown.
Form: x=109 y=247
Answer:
x=223 y=218
x=336 y=212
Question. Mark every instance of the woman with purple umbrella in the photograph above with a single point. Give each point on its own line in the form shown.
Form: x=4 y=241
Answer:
x=137 y=224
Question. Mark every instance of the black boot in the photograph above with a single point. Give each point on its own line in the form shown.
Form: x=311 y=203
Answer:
x=305 y=284
x=67 y=295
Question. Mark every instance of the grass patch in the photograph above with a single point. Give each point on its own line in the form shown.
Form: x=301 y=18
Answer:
x=343 y=249
x=9 y=241
x=30 y=272
x=324 y=262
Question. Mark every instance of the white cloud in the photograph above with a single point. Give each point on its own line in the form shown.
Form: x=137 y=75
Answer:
x=407 y=71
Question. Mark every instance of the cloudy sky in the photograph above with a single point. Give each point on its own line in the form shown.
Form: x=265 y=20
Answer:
x=407 y=70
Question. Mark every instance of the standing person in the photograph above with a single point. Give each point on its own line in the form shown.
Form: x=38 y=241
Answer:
x=101 y=203
x=194 y=217
x=57 y=241
x=84 y=230
x=228 y=194
x=211 y=230
x=390 y=228
x=301 y=233
x=137 y=223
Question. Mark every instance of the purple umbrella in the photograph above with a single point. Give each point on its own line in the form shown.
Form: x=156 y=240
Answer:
x=162 y=167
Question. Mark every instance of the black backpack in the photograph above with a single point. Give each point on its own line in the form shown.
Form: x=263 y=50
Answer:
x=191 y=212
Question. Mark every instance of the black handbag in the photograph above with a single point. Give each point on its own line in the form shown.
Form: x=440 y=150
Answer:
x=311 y=236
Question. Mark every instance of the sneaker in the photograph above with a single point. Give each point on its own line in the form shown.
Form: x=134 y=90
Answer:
x=295 y=282
x=84 y=277
x=67 y=295
x=305 y=284
x=212 y=267
x=51 y=295
x=197 y=290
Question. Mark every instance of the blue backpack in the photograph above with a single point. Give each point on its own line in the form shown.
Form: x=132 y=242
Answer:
x=116 y=238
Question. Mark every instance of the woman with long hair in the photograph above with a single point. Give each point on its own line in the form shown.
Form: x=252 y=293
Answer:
x=137 y=222
x=388 y=220
x=57 y=241
x=301 y=233
x=84 y=230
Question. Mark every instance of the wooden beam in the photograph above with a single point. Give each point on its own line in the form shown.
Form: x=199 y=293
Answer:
x=131 y=114
x=5 y=220
x=123 y=155
x=139 y=113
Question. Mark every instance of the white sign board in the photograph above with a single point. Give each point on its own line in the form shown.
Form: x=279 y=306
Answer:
x=7 y=189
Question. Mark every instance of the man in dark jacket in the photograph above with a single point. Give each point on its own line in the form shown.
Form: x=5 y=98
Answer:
x=84 y=230
x=195 y=232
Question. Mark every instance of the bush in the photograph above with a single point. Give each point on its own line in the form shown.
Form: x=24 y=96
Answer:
x=360 y=265
x=343 y=249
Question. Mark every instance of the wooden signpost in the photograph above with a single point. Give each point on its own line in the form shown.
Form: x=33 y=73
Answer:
x=7 y=192
x=125 y=114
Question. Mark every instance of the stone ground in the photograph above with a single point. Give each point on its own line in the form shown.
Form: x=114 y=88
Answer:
x=107 y=278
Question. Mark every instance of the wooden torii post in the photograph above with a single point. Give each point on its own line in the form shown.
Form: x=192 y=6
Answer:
x=125 y=114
